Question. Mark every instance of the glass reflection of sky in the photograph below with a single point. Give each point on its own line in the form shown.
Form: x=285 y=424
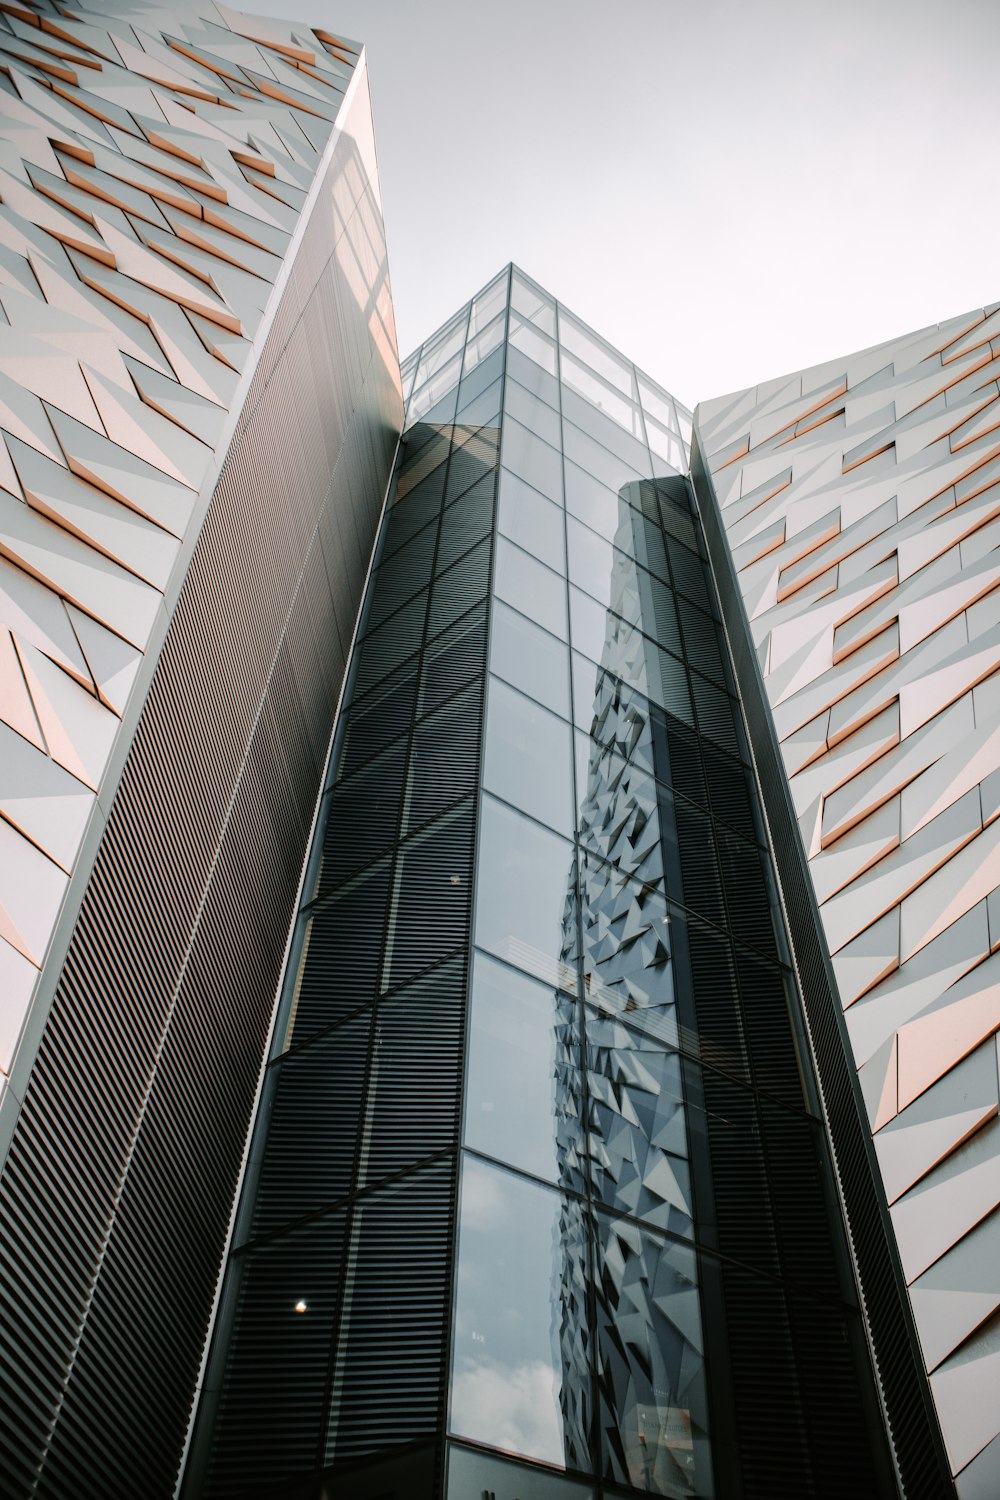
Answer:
x=523 y=1088
x=508 y=1366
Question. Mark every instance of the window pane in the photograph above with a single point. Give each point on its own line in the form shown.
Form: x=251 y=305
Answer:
x=531 y=375
x=654 y=1410
x=525 y=912
x=520 y=1376
x=529 y=658
x=532 y=521
x=586 y=687
x=434 y=389
x=627 y=937
x=628 y=462
x=590 y=560
x=472 y=1474
x=597 y=394
x=533 y=304
x=483 y=344
x=589 y=624
x=523 y=1085
x=477 y=409
x=533 y=344
x=626 y=439
x=535 y=414
x=657 y=403
x=491 y=301
x=666 y=445
x=528 y=757
x=438 y=351
x=534 y=461
x=585 y=344
x=533 y=589
x=638 y=1126
x=477 y=377
x=593 y=502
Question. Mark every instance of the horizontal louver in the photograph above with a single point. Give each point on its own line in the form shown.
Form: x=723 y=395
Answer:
x=363 y=1109
x=391 y=1349
x=271 y=1406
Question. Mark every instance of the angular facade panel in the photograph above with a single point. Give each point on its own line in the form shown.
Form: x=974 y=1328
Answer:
x=154 y=179
x=859 y=501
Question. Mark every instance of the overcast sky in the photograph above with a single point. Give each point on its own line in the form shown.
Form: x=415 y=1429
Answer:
x=725 y=191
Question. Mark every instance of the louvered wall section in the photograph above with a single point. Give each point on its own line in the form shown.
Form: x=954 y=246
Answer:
x=350 y=1202
x=117 y=1194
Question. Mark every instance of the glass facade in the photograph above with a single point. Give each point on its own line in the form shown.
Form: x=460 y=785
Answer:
x=539 y=1201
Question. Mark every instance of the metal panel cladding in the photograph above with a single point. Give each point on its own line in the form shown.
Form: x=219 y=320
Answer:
x=240 y=283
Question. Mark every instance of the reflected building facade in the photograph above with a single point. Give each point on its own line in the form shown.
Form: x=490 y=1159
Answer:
x=540 y=1155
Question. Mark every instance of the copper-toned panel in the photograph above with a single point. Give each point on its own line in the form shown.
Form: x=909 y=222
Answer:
x=138 y=268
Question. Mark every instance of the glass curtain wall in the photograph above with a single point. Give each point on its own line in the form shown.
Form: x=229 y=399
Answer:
x=651 y=1293
x=539 y=1205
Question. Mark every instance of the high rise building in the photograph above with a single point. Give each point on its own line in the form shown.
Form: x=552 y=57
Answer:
x=199 y=403
x=858 y=504
x=576 y=1078
x=539 y=1160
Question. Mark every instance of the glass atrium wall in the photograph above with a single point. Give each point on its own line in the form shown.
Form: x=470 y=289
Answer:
x=539 y=1205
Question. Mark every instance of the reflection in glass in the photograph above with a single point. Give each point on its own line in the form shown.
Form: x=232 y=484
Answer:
x=525 y=875
x=528 y=759
x=526 y=338
x=444 y=346
x=637 y=1128
x=532 y=303
x=638 y=663
x=473 y=1473
x=651 y=1370
x=604 y=397
x=657 y=403
x=628 y=973
x=532 y=521
x=537 y=463
x=479 y=375
x=529 y=658
x=476 y=410
x=535 y=414
x=523 y=1085
x=594 y=458
x=593 y=351
x=666 y=445
x=532 y=376
x=590 y=625
x=433 y=390
x=626 y=440
x=491 y=301
x=484 y=343
x=530 y=587
x=595 y=503
x=520 y=1375
x=591 y=560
